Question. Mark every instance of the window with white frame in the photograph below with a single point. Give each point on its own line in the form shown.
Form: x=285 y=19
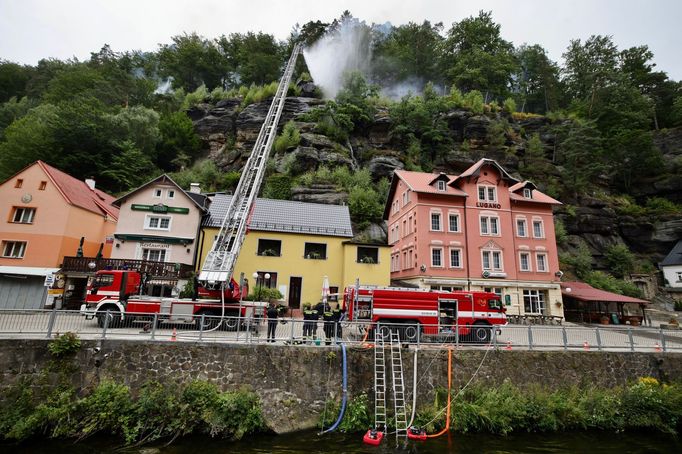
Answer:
x=157 y=222
x=441 y=185
x=435 y=221
x=455 y=258
x=524 y=261
x=154 y=255
x=541 y=259
x=13 y=249
x=436 y=257
x=534 y=301
x=490 y=225
x=409 y=225
x=521 y=227
x=538 y=229
x=23 y=215
x=453 y=222
x=487 y=193
x=157 y=193
x=171 y=193
x=527 y=193
x=496 y=290
x=492 y=260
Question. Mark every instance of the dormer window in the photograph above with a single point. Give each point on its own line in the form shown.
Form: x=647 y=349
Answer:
x=441 y=185
x=527 y=193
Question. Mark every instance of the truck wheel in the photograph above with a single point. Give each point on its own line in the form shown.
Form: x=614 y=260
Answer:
x=480 y=333
x=410 y=333
x=115 y=320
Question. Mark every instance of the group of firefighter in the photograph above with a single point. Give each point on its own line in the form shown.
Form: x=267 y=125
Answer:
x=331 y=318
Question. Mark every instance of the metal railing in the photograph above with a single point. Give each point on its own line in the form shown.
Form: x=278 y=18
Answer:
x=287 y=331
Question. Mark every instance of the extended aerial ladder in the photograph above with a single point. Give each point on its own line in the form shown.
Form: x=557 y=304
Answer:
x=220 y=261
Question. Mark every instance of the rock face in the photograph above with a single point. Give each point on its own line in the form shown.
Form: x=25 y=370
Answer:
x=375 y=148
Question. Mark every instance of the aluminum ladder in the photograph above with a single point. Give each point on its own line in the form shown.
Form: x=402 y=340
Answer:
x=379 y=384
x=398 y=386
x=220 y=261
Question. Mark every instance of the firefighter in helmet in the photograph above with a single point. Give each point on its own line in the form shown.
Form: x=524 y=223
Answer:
x=328 y=318
x=337 y=316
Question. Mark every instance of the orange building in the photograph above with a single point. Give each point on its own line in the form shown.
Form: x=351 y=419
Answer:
x=480 y=230
x=46 y=213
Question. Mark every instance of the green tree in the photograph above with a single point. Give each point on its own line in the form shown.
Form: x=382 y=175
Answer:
x=193 y=60
x=620 y=260
x=590 y=67
x=580 y=155
x=477 y=58
x=13 y=80
x=13 y=110
x=130 y=168
x=409 y=51
x=209 y=177
x=537 y=80
x=253 y=58
x=179 y=143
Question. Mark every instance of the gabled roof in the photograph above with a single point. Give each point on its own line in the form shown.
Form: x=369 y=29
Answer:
x=78 y=193
x=287 y=217
x=475 y=170
x=420 y=182
x=195 y=198
x=585 y=292
x=674 y=257
x=538 y=197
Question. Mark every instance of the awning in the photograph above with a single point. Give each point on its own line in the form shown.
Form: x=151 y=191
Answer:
x=585 y=292
x=27 y=270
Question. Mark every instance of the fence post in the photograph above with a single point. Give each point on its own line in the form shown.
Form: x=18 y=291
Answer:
x=248 y=330
x=201 y=326
x=632 y=340
x=565 y=336
x=291 y=335
x=495 y=338
x=107 y=317
x=598 y=334
x=530 y=337
x=662 y=339
x=155 y=320
x=457 y=335
x=50 y=322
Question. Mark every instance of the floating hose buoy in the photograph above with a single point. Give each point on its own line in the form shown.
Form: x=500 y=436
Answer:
x=447 y=417
x=345 y=393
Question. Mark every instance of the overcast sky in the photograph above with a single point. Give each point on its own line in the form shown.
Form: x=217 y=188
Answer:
x=35 y=29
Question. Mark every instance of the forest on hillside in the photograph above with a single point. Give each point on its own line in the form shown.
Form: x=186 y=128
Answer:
x=119 y=116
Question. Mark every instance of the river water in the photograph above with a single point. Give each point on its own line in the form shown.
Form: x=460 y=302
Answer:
x=311 y=443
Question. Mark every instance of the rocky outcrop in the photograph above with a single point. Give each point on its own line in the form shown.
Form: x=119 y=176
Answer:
x=318 y=193
x=383 y=166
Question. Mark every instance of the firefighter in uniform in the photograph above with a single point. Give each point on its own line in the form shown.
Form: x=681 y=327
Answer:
x=337 y=316
x=328 y=318
x=309 y=323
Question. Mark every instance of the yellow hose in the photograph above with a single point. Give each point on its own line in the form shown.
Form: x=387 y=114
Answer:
x=447 y=417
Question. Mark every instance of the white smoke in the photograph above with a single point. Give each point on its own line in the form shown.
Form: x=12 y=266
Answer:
x=347 y=48
x=164 y=86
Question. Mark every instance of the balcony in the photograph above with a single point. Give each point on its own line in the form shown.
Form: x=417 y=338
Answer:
x=158 y=270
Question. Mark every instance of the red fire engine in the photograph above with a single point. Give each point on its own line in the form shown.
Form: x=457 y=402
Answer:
x=421 y=312
x=118 y=292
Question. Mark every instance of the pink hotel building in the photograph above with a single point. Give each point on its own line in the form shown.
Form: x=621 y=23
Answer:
x=481 y=230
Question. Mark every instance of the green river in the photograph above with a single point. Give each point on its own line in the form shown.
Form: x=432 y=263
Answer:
x=311 y=443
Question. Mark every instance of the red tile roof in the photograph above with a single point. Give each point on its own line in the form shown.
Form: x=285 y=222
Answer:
x=585 y=292
x=421 y=182
x=538 y=196
x=78 y=193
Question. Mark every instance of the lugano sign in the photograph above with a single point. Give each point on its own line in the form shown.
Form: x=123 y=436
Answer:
x=488 y=205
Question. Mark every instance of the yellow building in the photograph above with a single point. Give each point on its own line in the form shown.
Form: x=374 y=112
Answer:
x=292 y=246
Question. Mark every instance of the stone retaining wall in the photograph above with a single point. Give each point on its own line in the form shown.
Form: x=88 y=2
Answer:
x=294 y=382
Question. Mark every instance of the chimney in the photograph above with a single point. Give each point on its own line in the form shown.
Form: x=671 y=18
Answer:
x=90 y=182
x=195 y=188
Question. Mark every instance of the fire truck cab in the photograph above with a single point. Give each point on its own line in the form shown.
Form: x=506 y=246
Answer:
x=423 y=314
